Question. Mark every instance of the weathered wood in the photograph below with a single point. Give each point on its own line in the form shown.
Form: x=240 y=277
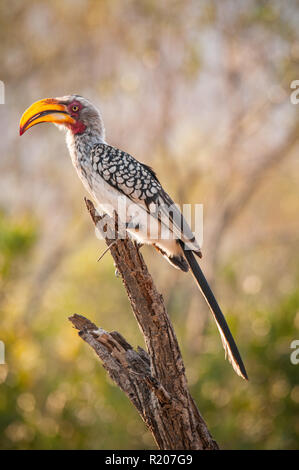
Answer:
x=154 y=381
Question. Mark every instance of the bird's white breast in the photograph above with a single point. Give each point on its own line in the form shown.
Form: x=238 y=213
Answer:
x=110 y=200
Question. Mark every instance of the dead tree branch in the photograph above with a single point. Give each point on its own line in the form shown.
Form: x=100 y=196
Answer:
x=154 y=381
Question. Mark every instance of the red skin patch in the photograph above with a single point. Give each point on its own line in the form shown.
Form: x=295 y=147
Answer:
x=78 y=127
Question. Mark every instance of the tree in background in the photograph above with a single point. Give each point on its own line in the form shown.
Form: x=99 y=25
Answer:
x=202 y=93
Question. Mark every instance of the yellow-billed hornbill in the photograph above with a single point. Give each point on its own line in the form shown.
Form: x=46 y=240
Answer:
x=108 y=174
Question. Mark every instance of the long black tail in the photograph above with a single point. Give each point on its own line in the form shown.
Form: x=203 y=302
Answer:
x=228 y=342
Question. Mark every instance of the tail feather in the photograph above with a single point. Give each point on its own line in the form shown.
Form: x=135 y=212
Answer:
x=229 y=345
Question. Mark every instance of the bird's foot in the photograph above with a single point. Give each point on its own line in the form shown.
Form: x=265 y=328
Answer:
x=138 y=245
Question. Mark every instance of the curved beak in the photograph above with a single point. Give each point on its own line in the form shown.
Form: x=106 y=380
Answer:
x=47 y=110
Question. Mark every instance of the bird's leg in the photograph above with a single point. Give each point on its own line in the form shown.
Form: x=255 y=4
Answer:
x=116 y=272
x=133 y=226
x=138 y=244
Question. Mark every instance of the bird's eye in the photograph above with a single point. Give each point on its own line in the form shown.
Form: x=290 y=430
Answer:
x=75 y=108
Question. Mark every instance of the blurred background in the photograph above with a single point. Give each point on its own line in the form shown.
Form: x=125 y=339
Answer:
x=201 y=92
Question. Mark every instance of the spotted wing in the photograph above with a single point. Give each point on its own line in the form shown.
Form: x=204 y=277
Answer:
x=141 y=185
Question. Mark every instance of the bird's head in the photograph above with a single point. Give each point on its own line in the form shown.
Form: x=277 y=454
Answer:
x=73 y=112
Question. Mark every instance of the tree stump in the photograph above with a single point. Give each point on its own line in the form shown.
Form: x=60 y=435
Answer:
x=154 y=381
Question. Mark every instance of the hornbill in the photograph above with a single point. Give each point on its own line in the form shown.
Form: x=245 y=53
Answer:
x=108 y=174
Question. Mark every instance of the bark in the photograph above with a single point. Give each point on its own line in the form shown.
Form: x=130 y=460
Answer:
x=154 y=381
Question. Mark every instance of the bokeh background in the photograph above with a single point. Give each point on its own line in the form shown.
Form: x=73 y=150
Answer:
x=200 y=90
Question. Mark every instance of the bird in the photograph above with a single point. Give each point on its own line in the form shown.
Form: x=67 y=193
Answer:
x=111 y=175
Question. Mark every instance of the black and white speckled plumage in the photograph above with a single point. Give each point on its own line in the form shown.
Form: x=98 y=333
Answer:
x=140 y=184
x=108 y=173
x=121 y=170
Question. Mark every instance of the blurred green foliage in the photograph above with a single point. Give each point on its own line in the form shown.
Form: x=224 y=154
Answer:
x=200 y=91
x=16 y=239
x=55 y=395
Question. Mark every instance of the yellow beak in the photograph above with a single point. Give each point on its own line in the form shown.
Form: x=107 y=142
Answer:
x=47 y=110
